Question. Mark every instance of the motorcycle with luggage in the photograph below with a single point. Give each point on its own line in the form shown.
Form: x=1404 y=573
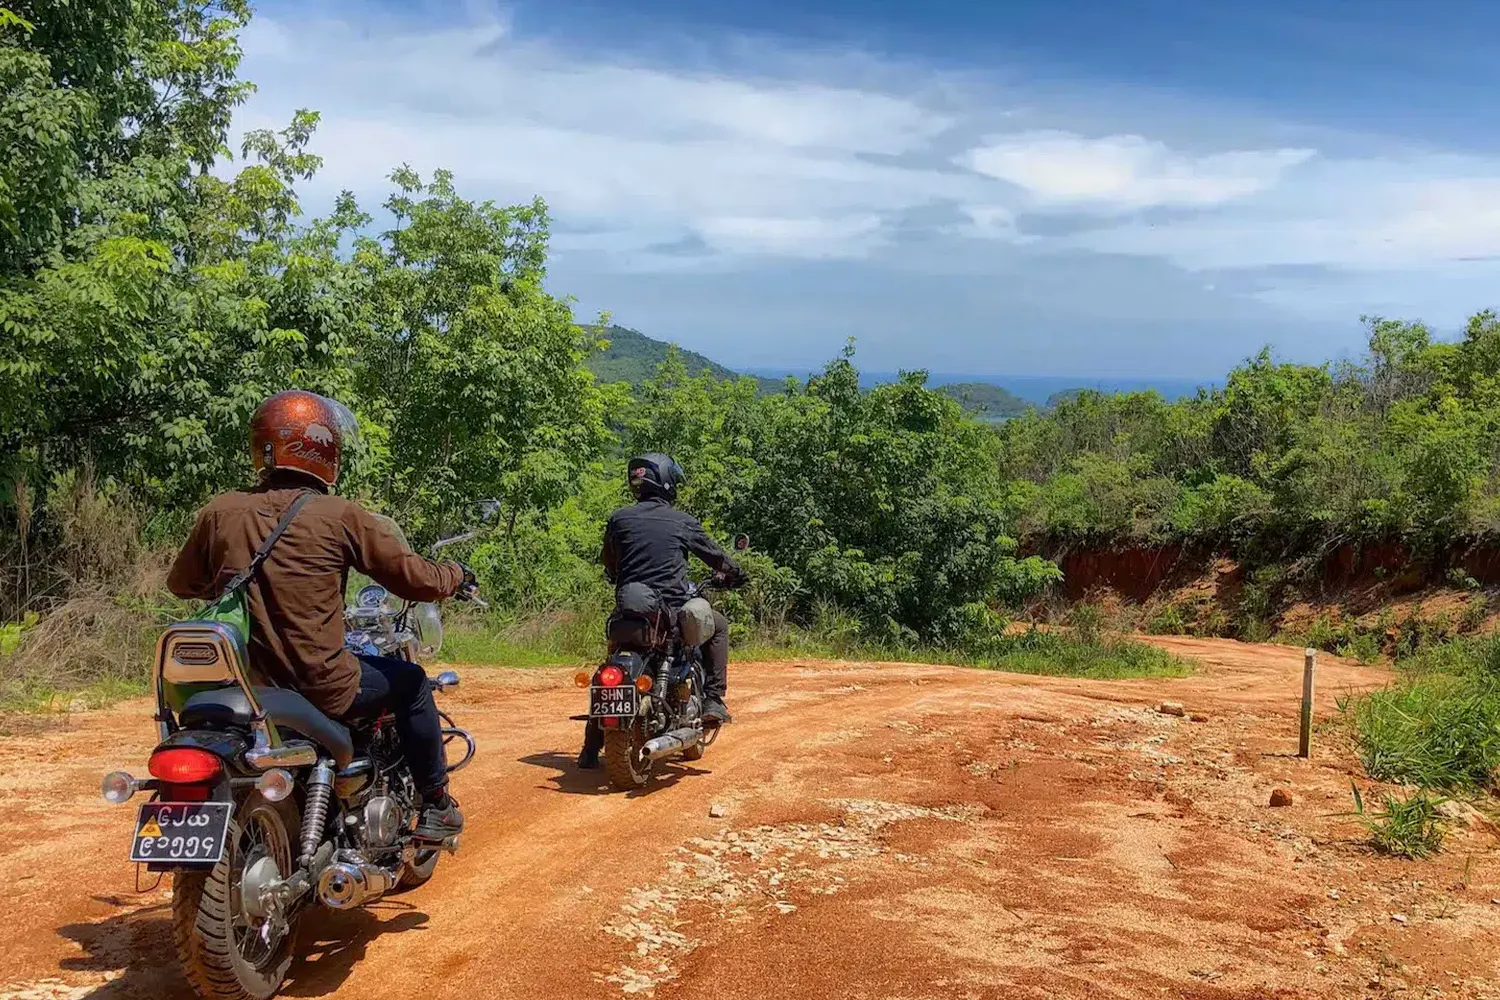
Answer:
x=262 y=807
x=648 y=694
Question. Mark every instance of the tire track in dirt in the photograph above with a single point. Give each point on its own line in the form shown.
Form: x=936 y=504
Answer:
x=888 y=831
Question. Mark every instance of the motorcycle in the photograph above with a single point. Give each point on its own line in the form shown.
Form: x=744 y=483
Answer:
x=262 y=806
x=648 y=694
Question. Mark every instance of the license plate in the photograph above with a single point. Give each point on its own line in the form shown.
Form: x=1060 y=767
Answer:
x=181 y=832
x=615 y=702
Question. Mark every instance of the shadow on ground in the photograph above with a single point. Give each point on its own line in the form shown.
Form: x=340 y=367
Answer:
x=136 y=949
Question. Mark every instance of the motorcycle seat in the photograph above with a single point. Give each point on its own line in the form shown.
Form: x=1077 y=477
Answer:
x=287 y=709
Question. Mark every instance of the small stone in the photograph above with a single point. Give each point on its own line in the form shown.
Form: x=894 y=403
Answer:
x=1198 y=717
x=1171 y=708
x=717 y=811
x=1399 y=918
x=1281 y=797
x=1333 y=894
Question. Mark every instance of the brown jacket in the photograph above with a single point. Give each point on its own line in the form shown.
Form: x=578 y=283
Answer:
x=296 y=600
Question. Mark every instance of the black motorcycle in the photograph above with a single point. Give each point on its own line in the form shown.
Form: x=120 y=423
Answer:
x=261 y=805
x=648 y=694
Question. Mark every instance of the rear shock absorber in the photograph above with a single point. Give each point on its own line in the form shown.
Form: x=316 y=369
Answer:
x=315 y=816
x=659 y=684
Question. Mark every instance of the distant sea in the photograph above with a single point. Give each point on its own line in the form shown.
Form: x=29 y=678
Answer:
x=1034 y=388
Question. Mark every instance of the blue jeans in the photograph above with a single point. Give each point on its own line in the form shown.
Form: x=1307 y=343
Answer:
x=386 y=682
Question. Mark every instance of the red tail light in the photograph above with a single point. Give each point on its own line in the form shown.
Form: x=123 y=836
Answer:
x=611 y=676
x=185 y=766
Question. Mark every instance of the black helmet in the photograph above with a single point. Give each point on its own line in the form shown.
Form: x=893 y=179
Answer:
x=654 y=475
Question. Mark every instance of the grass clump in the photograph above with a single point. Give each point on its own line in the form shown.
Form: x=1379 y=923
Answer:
x=1410 y=826
x=1103 y=657
x=1439 y=726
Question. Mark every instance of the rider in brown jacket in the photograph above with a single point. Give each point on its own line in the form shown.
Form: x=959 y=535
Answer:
x=296 y=600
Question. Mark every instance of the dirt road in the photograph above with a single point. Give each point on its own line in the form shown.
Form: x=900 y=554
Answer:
x=886 y=832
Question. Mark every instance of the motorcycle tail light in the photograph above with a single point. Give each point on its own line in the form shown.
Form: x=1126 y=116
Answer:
x=185 y=766
x=611 y=676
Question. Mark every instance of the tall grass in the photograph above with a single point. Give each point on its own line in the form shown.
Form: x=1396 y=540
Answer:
x=1439 y=725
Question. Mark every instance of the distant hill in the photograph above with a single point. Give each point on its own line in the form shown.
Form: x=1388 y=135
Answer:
x=634 y=357
x=986 y=401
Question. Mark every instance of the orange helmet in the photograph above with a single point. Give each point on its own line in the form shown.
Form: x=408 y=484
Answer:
x=302 y=431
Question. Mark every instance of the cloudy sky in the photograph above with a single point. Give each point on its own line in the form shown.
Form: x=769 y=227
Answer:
x=1018 y=187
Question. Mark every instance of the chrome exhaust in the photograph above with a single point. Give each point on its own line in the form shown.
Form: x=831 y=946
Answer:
x=673 y=742
x=348 y=883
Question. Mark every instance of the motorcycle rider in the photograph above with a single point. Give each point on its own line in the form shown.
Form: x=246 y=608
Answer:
x=648 y=542
x=296 y=599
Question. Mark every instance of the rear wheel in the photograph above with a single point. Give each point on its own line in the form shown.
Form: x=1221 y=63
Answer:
x=624 y=760
x=228 y=948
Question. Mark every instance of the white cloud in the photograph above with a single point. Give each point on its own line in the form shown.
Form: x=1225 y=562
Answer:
x=792 y=168
x=1125 y=172
x=727 y=165
x=1352 y=215
x=799 y=237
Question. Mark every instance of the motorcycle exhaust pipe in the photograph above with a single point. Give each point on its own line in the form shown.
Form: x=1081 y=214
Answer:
x=345 y=885
x=673 y=742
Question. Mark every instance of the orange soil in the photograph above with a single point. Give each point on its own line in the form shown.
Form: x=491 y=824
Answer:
x=887 y=831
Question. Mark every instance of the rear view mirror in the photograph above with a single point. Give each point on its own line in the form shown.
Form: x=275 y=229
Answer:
x=741 y=543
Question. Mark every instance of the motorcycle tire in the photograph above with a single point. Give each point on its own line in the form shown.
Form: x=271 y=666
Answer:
x=212 y=956
x=623 y=764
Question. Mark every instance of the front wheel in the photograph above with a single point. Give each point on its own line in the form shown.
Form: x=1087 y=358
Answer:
x=228 y=948
x=624 y=759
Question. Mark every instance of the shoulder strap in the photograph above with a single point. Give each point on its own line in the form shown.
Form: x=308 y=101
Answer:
x=265 y=547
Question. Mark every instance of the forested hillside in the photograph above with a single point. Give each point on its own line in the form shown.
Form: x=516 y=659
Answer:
x=632 y=357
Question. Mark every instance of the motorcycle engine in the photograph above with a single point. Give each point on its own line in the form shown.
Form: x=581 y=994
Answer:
x=382 y=821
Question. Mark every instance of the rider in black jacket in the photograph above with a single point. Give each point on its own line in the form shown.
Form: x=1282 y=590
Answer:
x=649 y=543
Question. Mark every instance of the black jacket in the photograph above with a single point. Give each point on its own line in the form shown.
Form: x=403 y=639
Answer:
x=649 y=543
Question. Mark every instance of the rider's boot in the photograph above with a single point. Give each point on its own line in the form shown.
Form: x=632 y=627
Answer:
x=441 y=819
x=715 y=712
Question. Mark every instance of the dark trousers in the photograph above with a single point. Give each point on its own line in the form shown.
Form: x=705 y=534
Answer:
x=386 y=682
x=715 y=678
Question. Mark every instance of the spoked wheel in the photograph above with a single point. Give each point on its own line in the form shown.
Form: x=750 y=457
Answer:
x=695 y=711
x=230 y=946
x=624 y=758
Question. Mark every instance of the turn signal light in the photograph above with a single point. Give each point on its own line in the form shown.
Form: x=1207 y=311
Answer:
x=643 y=683
x=117 y=787
x=185 y=765
x=611 y=676
x=582 y=678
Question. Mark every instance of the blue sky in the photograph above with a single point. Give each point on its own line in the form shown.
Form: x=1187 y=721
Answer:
x=1013 y=187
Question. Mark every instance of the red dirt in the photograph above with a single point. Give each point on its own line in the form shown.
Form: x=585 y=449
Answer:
x=889 y=831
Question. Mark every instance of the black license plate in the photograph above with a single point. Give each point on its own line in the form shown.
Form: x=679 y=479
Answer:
x=181 y=832
x=614 y=703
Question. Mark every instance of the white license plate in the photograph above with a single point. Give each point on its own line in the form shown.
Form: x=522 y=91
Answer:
x=181 y=832
x=614 y=703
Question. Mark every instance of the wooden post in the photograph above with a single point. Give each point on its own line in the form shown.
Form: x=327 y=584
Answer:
x=1309 y=665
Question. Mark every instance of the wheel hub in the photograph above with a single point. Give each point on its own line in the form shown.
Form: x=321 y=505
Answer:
x=260 y=876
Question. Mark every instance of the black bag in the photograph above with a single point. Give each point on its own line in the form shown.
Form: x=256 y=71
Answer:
x=639 y=621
